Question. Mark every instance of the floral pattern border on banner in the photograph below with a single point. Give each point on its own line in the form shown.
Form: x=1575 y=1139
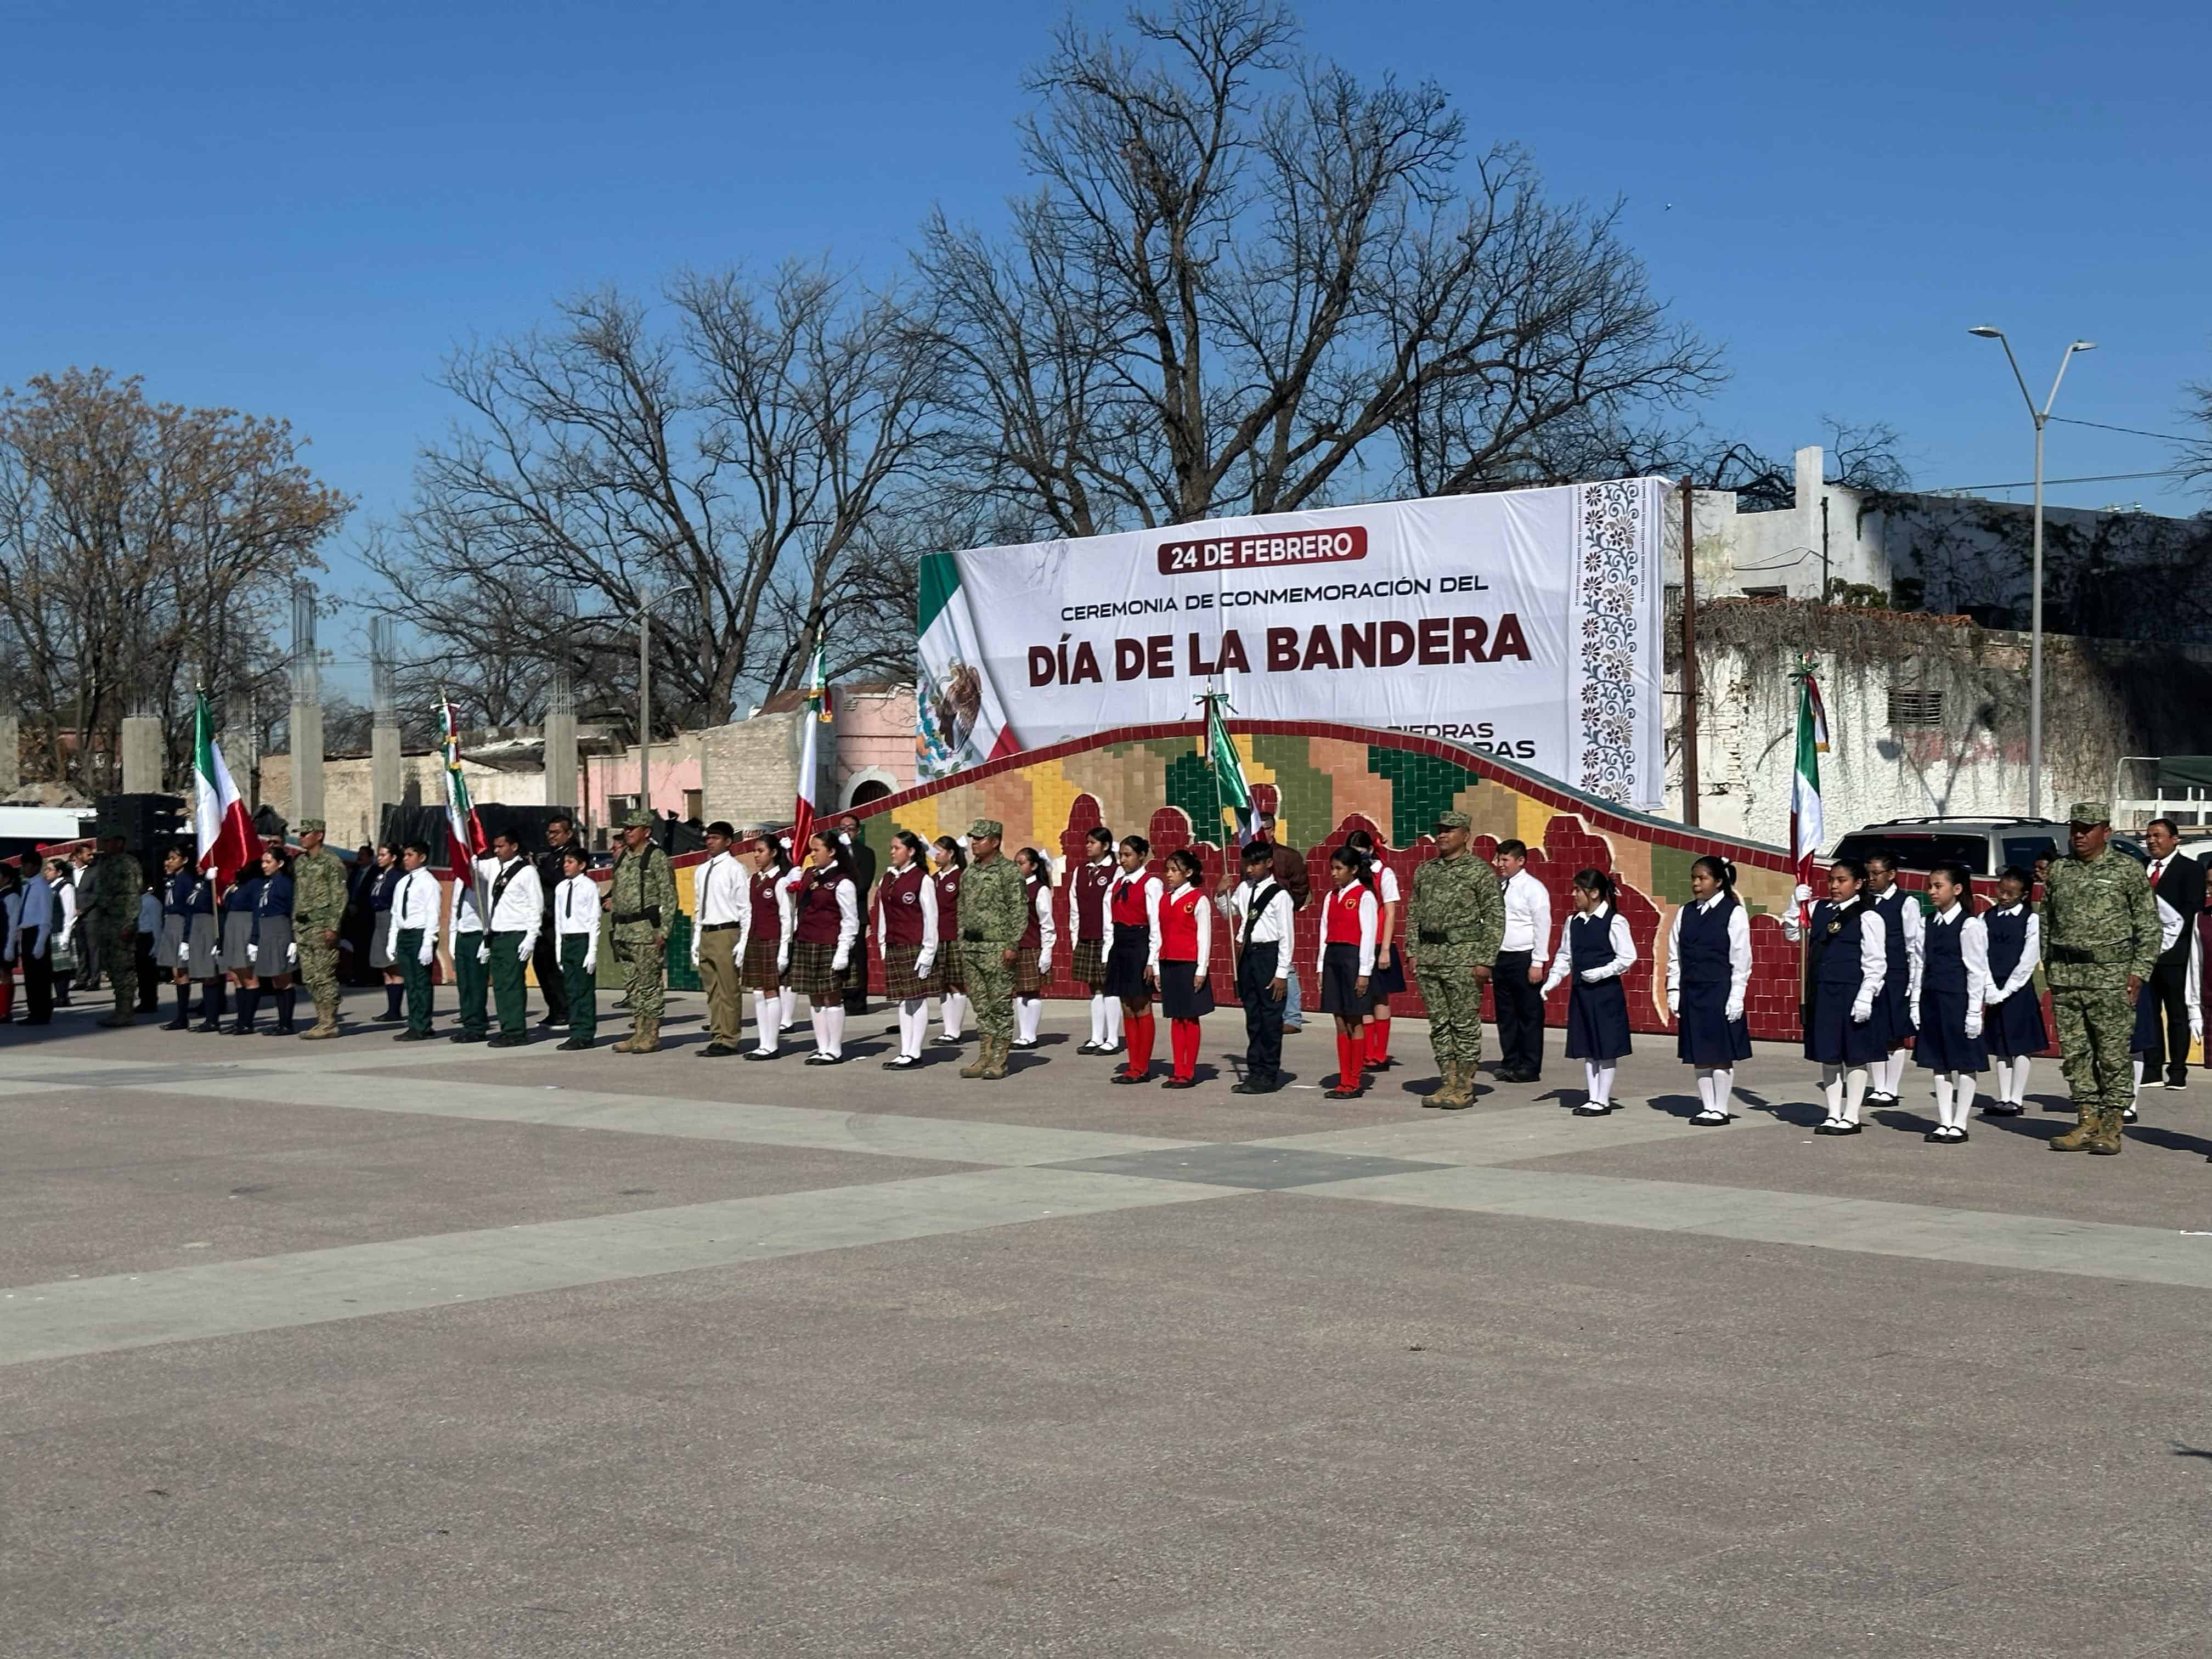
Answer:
x=1610 y=531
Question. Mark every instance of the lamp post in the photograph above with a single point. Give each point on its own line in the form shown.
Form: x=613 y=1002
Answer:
x=2041 y=418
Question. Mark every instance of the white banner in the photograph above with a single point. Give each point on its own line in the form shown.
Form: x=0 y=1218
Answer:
x=1525 y=624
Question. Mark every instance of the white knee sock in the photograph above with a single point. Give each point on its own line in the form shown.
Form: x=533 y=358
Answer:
x=1962 y=1102
x=1114 y=1012
x=1887 y=1074
x=956 y=1012
x=2020 y=1065
x=1723 y=1088
x=914 y=1026
x=2139 y=1069
x=1098 y=1020
x=1855 y=1088
x=1028 y=1013
x=833 y=1022
x=1704 y=1088
x=814 y=1020
x=1942 y=1100
x=764 y=1020
x=1832 y=1090
x=786 y=1008
x=1600 y=1081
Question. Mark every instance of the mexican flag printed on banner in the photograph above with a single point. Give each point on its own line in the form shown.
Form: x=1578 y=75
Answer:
x=220 y=825
x=1807 y=829
x=465 y=841
x=1230 y=789
x=959 y=718
x=818 y=715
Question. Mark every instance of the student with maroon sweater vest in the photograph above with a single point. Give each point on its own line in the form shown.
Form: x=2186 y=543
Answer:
x=765 y=935
x=906 y=923
x=1033 y=951
x=823 y=942
x=950 y=980
x=1088 y=884
x=1182 y=956
x=1133 y=918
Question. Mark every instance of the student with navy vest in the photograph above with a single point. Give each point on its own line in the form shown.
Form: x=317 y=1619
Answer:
x=1848 y=962
x=1708 y=973
x=1596 y=949
x=2012 y=1029
x=1950 y=994
x=1902 y=925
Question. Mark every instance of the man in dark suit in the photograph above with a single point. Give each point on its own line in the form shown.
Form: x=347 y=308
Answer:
x=864 y=871
x=545 y=960
x=2177 y=881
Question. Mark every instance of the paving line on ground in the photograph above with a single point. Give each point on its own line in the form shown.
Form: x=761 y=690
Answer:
x=1511 y=1134
x=262 y=1293
x=2094 y=1249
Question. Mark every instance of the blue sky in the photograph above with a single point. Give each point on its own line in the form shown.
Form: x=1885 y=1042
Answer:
x=297 y=210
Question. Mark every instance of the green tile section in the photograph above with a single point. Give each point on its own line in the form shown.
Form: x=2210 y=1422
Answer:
x=1309 y=795
x=1670 y=873
x=1190 y=786
x=1421 y=786
x=682 y=975
x=1170 y=749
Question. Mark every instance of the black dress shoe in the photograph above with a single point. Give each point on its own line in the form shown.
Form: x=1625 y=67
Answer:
x=1178 y=1083
x=716 y=1050
x=469 y=1036
x=2000 y=1109
x=901 y=1063
x=1248 y=1087
x=508 y=1040
x=1125 y=1076
x=172 y=1025
x=576 y=1042
x=756 y=1054
x=1592 y=1111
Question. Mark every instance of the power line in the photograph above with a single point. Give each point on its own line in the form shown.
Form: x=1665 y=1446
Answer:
x=2133 y=431
x=2029 y=484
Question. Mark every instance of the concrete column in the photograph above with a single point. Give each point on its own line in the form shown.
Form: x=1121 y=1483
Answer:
x=560 y=759
x=142 y=755
x=1810 y=465
x=386 y=776
x=11 y=755
x=306 y=761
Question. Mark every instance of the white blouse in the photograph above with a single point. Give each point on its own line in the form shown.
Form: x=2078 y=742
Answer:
x=1624 y=951
x=1738 y=935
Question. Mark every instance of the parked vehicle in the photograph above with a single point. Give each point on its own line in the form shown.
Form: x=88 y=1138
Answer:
x=1984 y=846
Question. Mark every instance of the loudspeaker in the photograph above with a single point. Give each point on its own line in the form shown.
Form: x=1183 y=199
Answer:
x=149 y=825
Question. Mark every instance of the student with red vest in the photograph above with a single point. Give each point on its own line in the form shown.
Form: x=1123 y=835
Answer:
x=906 y=923
x=1350 y=923
x=1088 y=884
x=1132 y=920
x=950 y=980
x=765 y=935
x=1389 y=976
x=1181 y=964
x=1033 y=951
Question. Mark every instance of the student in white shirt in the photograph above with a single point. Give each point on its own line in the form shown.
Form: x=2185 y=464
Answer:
x=1846 y=965
x=410 y=936
x=61 y=881
x=719 y=886
x=1033 y=953
x=1708 y=975
x=1350 y=926
x=517 y=901
x=472 y=955
x=906 y=924
x=1133 y=922
x=2013 y=1028
x=1260 y=941
x=1596 y=949
x=576 y=943
x=1389 y=976
x=1519 y=970
x=763 y=946
x=2148 y=1037
x=1902 y=922
x=1950 y=990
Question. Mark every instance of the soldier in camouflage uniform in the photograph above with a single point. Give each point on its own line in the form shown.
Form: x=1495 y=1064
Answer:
x=994 y=912
x=2100 y=939
x=641 y=906
x=1455 y=923
x=111 y=915
x=318 y=902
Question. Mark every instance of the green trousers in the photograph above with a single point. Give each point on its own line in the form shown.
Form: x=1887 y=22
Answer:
x=583 y=988
x=1455 y=1005
x=507 y=986
x=990 y=987
x=472 y=979
x=415 y=975
x=2095 y=1028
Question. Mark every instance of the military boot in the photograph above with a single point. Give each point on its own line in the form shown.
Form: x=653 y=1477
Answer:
x=2078 y=1138
x=646 y=1040
x=629 y=1044
x=994 y=1058
x=1459 y=1080
x=120 y=1016
x=2111 y=1136
x=980 y=1065
x=325 y=1025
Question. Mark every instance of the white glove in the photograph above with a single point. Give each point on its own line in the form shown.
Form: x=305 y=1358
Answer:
x=925 y=962
x=1801 y=895
x=839 y=961
x=1997 y=997
x=1044 y=963
x=483 y=951
x=783 y=960
x=1973 y=1022
x=591 y=961
x=183 y=952
x=252 y=953
x=2197 y=1030
x=292 y=954
x=1595 y=977
x=522 y=950
x=1733 y=1013
x=1861 y=1012
x=1675 y=1003
x=427 y=951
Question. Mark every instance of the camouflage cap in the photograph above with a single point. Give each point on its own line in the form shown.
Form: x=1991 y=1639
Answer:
x=639 y=819
x=1453 y=821
x=305 y=824
x=985 y=827
x=2088 y=812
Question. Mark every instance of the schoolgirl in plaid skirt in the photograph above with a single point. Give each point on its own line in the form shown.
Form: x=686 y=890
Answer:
x=906 y=921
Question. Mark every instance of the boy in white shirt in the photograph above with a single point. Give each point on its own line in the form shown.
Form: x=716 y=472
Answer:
x=1262 y=911
x=576 y=941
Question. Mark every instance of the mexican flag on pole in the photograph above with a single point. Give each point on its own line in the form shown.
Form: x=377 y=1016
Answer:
x=809 y=752
x=1230 y=792
x=465 y=841
x=220 y=825
x=1807 y=830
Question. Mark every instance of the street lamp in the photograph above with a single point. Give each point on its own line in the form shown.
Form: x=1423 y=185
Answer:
x=2040 y=417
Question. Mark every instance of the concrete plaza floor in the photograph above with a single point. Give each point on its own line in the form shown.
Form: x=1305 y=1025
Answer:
x=358 y=1348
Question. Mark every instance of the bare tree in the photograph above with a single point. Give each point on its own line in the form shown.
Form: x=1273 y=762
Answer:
x=143 y=545
x=2196 y=463
x=1245 y=278
x=747 y=459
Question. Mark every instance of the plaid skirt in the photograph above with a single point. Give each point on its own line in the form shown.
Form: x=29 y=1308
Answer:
x=757 y=972
x=811 y=975
x=1028 y=981
x=901 y=982
x=1091 y=962
x=951 y=973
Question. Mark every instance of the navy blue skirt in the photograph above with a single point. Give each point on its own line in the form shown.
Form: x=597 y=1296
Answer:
x=1704 y=1035
x=1893 y=1010
x=1830 y=1038
x=1184 y=994
x=1340 y=982
x=2015 y=1026
x=1388 y=980
x=1125 y=965
x=1597 y=1020
x=1943 y=1044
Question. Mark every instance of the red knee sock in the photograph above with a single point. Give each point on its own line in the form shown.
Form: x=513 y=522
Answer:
x=1377 y=1032
x=7 y=991
x=1139 y=1033
x=1348 y=1067
x=1183 y=1033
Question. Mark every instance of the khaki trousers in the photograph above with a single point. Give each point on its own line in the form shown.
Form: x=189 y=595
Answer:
x=718 y=973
